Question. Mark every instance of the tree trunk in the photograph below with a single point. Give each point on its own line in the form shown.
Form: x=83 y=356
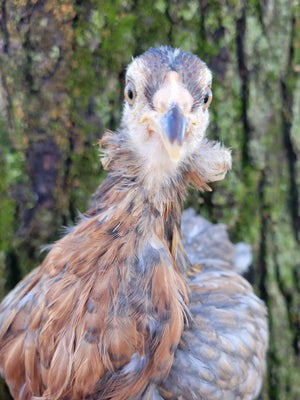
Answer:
x=62 y=67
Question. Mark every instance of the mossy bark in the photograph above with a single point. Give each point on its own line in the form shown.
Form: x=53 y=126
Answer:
x=62 y=66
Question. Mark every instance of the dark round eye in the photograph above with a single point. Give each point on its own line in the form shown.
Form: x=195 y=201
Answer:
x=207 y=98
x=130 y=93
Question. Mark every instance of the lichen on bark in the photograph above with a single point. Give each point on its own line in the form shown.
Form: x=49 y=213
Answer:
x=62 y=66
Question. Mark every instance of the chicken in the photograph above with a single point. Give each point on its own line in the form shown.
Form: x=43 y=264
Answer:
x=116 y=311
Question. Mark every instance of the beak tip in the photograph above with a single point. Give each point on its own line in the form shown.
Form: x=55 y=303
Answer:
x=174 y=153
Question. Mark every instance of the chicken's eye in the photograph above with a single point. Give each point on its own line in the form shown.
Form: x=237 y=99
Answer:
x=207 y=98
x=130 y=93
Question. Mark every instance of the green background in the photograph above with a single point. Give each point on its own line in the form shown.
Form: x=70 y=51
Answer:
x=62 y=66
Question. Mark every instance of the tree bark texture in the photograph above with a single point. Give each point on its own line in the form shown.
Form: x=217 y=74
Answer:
x=62 y=65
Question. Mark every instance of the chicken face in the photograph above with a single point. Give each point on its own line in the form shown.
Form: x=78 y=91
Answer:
x=167 y=95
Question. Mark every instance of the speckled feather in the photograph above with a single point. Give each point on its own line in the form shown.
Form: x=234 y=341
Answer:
x=115 y=311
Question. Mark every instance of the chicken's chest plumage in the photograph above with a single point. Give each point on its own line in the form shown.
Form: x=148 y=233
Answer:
x=105 y=311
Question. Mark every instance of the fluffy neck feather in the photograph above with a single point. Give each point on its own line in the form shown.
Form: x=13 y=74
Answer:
x=126 y=171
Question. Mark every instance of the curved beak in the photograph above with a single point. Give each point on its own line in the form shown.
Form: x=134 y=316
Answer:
x=174 y=124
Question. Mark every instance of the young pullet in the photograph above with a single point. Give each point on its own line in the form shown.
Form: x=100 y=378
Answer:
x=116 y=311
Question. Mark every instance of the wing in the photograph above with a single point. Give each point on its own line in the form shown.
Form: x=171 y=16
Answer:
x=222 y=353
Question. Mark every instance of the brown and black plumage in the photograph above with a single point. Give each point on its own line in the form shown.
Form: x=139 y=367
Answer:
x=116 y=311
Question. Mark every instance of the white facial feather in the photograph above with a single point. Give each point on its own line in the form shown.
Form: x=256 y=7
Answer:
x=148 y=145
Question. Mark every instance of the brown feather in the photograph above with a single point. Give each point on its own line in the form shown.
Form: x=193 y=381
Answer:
x=11 y=354
x=87 y=367
x=31 y=362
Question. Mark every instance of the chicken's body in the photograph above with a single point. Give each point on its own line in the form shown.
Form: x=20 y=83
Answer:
x=115 y=311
